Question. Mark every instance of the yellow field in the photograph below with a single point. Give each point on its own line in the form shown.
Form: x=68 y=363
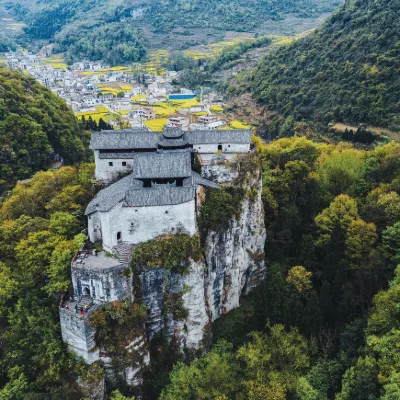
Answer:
x=156 y=124
x=138 y=97
x=184 y=103
x=378 y=131
x=114 y=87
x=239 y=125
x=102 y=109
x=197 y=54
x=55 y=62
x=215 y=49
x=95 y=115
x=216 y=108
x=123 y=112
x=164 y=109
x=154 y=66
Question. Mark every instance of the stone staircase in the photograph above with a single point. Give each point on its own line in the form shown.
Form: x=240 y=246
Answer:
x=85 y=302
x=123 y=251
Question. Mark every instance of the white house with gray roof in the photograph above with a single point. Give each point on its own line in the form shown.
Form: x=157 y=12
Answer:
x=114 y=150
x=160 y=196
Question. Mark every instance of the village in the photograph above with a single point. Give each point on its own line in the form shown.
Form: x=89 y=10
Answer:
x=124 y=97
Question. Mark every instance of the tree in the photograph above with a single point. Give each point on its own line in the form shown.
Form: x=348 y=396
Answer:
x=391 y=243
x=360 y=381
x=116 y=395
x=63 y=224
x=300 y=279
x=361 y=239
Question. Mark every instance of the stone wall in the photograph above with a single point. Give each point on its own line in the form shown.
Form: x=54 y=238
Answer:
x=105 y=286
x=78 y=335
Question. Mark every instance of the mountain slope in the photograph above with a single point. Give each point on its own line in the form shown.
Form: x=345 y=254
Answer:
x=83 y=27
x=346 y=71
x=35 y=125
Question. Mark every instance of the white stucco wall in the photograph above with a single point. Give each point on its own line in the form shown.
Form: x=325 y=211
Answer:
x=226 y=148
x=139 y=224
x=105 y=172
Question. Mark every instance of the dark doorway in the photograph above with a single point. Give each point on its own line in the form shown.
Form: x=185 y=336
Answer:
x=86 y=291
x=119 y=235
x=220 y=147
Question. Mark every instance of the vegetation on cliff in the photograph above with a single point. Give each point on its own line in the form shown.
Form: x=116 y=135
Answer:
x=36 y=129
x=346 y=71
x=172 y=252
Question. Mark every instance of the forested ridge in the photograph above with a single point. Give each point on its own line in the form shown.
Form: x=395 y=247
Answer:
x=346 y=71
x=35 y=127
x=113 y=31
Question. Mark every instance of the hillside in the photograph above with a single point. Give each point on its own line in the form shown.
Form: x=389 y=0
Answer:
x=35 y=127
x=119 y=31
x=347 y=71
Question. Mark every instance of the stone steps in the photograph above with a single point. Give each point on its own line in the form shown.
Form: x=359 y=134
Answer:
x=123 y=252
x=85 y=301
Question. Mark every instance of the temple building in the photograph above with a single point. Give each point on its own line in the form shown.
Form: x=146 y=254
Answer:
x=155 y=192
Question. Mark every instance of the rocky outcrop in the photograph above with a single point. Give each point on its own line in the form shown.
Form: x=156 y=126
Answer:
x=233 y=265
x=235 y=258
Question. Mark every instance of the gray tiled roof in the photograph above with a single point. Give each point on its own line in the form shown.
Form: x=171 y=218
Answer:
x=159 y=196
x=173 y=143
x=111 y=195
x=161 y=165
x=133 y=194
x=127 y=139
x=143 y=139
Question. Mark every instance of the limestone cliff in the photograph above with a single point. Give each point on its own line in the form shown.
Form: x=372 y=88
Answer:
x=233 y=265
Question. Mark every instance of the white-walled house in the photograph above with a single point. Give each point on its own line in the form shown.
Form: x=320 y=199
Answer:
x=113 y=150
x=159 y=197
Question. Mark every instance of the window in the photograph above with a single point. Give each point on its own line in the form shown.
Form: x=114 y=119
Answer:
x=166 y=212
x=110 y=164
x=124 y=163
x=229 y=145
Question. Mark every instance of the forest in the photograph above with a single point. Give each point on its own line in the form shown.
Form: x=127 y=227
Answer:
x=36 y=129
x=322 y=325
x=346 y=71
x=113 y=31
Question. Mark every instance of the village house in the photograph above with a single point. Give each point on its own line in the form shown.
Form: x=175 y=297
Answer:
x=178 y=122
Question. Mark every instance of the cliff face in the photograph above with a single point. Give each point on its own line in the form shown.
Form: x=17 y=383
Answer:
x=233 y=265
x=235 y=258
